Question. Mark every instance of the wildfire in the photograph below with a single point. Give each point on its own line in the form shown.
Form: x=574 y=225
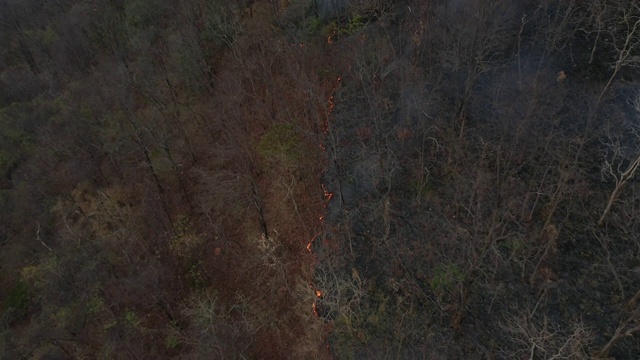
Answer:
x=327 y=195
x=318 y=294
x=332 y=104
x=313 y=239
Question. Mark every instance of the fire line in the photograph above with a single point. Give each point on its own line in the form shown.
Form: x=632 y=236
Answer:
x=326 y=194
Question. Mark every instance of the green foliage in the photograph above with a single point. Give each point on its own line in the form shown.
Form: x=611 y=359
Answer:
x=140 y=13
x=49 y=37
x=181 y=225
x=18 y=296
x=60 y=315
x=325 y=73
x=17 y=123
x=40 y=275
x=184 y=243
x=349 y=335
x=46 y=37
x=210 y=30
x=132 y=320
x=173 y=335
x=281 y=143
x=387 y=316
x=445 y=277
x=330 y=29
x=222 y=25
x=110 y=324
x=172 y=341
x=355 y=23
x=109 y=32
x=313 y=26
x=513 y=244
x=196 y=277
x=188 y=60
x=213 y=332
x=95 y=305
x=422 y=188
x=7 y=163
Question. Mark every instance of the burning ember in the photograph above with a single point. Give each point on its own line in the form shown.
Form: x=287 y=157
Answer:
x=326 y=194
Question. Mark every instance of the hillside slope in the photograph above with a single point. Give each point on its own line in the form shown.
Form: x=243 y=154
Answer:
x=313 y=179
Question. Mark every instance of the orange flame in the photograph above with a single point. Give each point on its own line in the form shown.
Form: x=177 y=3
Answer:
x=328 y=195
x=313 y=239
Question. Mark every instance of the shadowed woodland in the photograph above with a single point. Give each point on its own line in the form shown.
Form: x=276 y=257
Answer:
x=319 y=179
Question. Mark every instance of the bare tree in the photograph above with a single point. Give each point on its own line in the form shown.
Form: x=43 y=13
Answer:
x=617 y=164
x=629 y=325
x=534 y=338
x=625 y=38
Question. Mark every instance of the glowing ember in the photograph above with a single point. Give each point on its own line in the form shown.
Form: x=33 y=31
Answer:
x=313 y=239
x=328 y=195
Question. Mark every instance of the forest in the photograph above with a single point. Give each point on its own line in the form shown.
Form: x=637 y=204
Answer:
x=319 y=179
